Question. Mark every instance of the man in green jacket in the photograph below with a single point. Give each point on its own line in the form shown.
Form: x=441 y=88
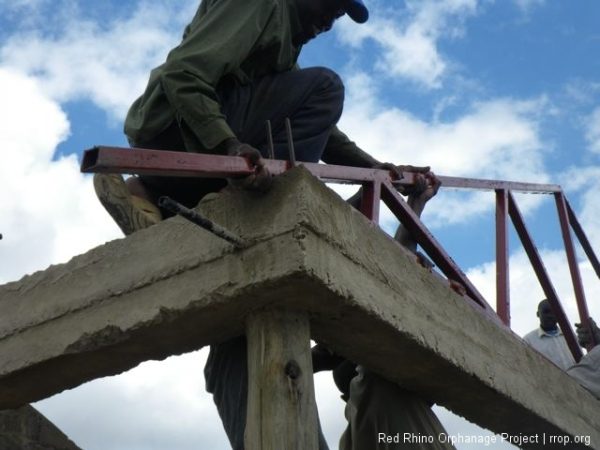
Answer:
x=235 y=68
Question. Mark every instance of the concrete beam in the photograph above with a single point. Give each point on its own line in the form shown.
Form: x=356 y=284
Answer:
x=174 y=288
x=25 y=428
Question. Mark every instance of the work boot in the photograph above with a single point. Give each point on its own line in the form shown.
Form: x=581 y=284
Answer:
x=130 y=212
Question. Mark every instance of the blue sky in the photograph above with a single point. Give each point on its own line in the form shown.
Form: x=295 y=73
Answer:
x=499 y=89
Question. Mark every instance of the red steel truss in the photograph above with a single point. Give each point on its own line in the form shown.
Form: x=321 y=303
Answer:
x=382 y=185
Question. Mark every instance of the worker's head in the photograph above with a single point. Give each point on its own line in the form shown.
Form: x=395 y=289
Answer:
x=547 y=318
x=318 y=16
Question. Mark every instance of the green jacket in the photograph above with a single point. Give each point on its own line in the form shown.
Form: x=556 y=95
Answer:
x=239 y=38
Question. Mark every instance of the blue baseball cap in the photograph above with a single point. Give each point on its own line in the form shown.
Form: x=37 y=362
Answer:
x=357 y=11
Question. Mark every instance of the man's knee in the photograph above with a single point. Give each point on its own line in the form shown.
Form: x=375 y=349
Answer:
x=328 y=80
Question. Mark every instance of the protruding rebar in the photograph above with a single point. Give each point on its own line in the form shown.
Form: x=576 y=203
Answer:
x=290 y=141
x=270 y=140
x=207 y=224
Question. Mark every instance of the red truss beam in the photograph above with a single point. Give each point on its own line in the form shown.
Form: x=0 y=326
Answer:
x=502 y=258
x=183 y=164
x=382 y=185
x=543 y=277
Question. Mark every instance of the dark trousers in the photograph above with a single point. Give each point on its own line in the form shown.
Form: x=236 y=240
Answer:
x=226 y=374
x=312 y=99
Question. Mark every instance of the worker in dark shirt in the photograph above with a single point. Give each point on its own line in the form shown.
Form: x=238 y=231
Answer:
x=235 y=68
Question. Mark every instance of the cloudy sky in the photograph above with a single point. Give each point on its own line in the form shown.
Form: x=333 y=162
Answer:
x=500 y=89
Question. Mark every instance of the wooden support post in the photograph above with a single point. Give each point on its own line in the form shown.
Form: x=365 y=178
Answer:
x=282 y=412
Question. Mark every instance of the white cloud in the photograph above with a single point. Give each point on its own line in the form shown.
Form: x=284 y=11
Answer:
x=45 y=215
x=107 y=64
x=582 y=91
x=19 y=5
x=590 y=211
x=527 y=5
x=582 y=180
x=409 y=38
x=525 y=289
x=162 y=405
x=592 y=133
x=157 y=405
x=491 y=140
x=23 y=96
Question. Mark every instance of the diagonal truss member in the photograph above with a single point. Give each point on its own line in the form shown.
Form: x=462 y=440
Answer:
x=381 y=185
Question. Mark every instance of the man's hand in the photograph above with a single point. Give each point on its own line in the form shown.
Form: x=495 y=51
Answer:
x=429 y=186
x=421 y=183
x=390 y=167
x=398 y=171
x=432 y=186
x=416 y=169
x=422 y=179
x=261 y=179
x=583 y=334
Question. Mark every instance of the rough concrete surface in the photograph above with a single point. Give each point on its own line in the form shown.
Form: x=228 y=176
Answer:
x=174 y=287
x=25 y=428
